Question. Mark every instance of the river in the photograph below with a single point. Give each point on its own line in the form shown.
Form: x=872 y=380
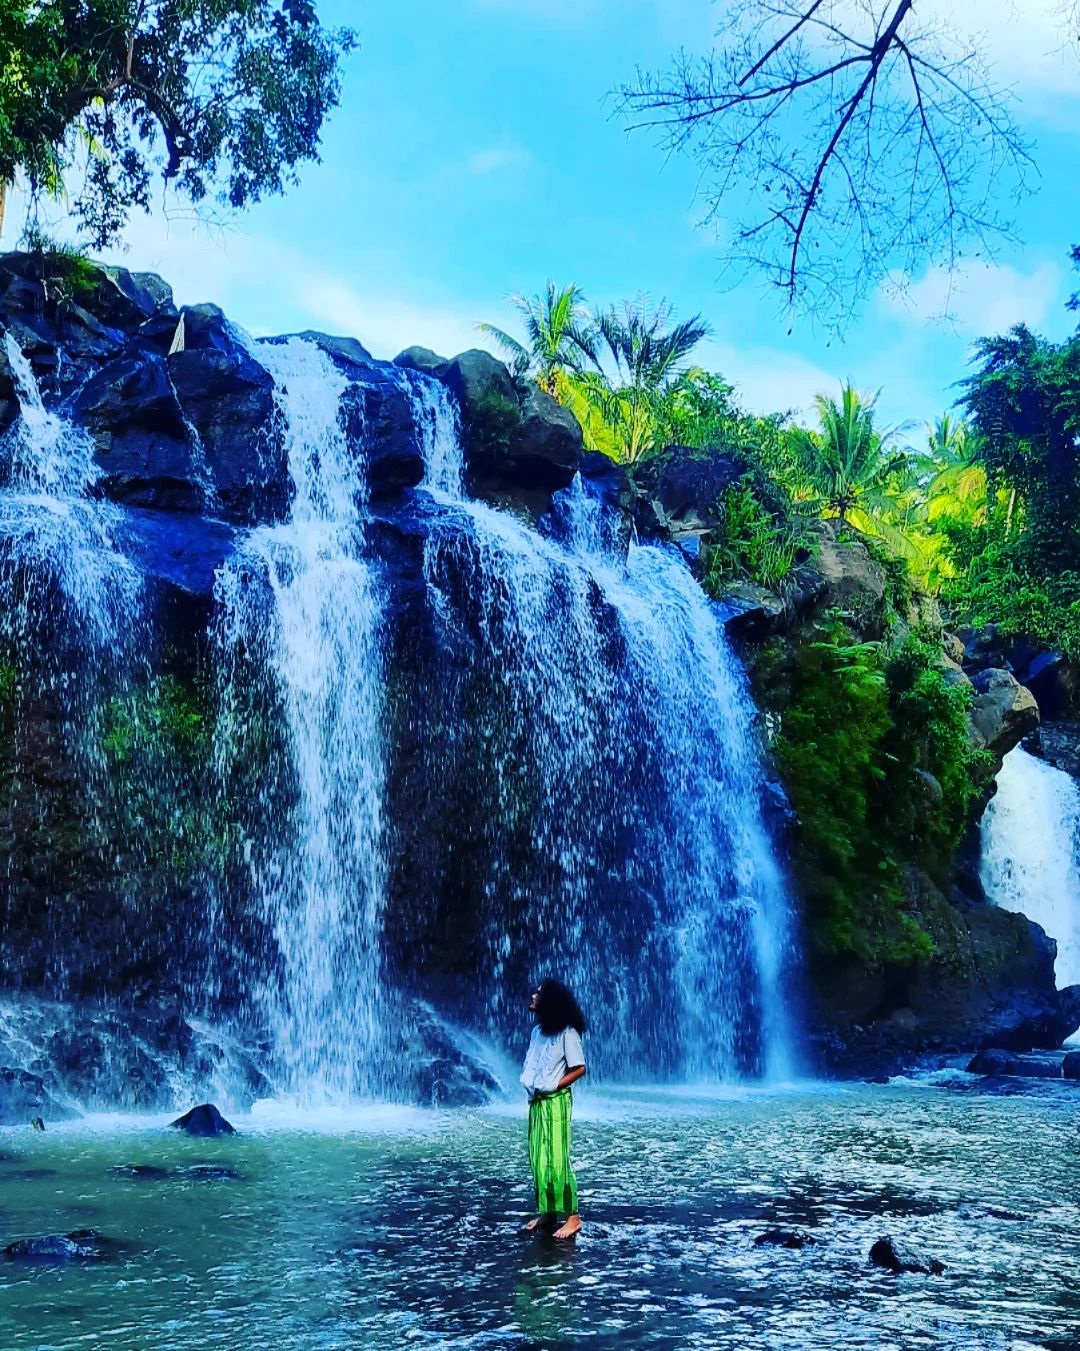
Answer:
x=399 y=1227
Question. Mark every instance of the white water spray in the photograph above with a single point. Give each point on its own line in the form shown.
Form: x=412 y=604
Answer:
x=1031 y=852
x=299 y=639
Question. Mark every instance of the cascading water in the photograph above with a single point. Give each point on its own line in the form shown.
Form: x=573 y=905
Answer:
x=611 y=744
x=57 y=542
x=1031 y=852
x=300 y=733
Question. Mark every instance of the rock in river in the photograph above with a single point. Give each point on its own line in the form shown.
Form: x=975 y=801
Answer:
x=205 y=1120
x=898 y=1259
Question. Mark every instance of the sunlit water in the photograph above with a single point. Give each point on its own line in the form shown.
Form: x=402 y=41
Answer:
x=402 y=1228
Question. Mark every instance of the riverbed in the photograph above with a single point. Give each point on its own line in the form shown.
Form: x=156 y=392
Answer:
x=388 y=1227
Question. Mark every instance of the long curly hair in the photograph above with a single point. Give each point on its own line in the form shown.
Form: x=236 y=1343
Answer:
x=557 y=1009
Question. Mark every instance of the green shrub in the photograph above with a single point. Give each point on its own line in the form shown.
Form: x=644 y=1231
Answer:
x=70 y=271
x=861 y=729
x=750 y=542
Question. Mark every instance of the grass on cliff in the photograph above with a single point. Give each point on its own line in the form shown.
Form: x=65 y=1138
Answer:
x=873 y=751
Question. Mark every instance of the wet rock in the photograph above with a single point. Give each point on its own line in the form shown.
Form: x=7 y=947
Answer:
x=25 y=1097
x=687 y=488
x=81 y=1245
x=755 y=613
x=899 y=1259
x=205 y=1121
x=1070 y=1066
x=143 y=446
x=1058 y=743
x=784 y=1238
x=995 y=1061
x=1003 y=712
x=227 y=398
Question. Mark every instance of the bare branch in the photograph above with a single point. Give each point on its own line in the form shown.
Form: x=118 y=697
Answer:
x=848 y=145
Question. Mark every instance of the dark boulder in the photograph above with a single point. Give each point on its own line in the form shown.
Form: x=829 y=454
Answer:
x=381 y=427
x=1070 y=1066
x=178 y=557
x=81 y=1245
x=899 y=1259
x=994 y=1061
x=349 y=355
x=784 y=1238
x=140 y=1172
x=687 y=487
x=228 y=400
x=520 y=444
x=204 y=1121
x=420 y=359
x=142 y=444
x=545 y=450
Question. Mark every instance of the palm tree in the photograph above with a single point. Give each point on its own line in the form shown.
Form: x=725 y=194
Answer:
x=645 y=359
x=848 y=463
x=558 y=335
x=958 y=487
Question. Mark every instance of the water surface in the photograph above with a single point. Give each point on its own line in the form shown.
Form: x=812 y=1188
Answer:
x=395 y=1228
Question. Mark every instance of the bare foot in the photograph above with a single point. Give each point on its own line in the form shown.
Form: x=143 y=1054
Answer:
x=541 y=1222
x=570 y=1228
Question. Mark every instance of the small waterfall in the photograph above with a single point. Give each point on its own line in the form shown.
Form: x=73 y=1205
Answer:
x=1031 y=852
x=614 y=740
x=60 y=557
x=300 y=737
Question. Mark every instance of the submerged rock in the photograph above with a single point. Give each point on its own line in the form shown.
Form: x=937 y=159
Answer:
x=211 y=1172
x=997 y=1061
x=140 y=1172
x=899 y=1259
x=81 y=1245
x=205 y=1121
x=784 y=1238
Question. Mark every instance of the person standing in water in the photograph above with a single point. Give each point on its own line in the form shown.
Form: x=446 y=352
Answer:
x=554 y=1061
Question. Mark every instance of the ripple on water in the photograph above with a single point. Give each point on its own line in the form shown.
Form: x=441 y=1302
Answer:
x=390 y=1229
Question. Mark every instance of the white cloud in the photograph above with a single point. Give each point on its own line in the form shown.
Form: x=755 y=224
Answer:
x=493 y=158
x=978 y=298
x=768 y=379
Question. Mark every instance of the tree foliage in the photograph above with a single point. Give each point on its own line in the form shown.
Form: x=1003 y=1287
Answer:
x=559 y=335
x=220 y=99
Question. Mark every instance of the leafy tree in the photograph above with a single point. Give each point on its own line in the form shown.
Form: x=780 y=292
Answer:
x=1024 y=404
x=848 y=462
x=645 y=355
x=222 y=98
x=558 y=336
x=847 y=144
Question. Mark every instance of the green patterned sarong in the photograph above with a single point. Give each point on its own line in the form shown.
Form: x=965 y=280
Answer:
x=549 y=1153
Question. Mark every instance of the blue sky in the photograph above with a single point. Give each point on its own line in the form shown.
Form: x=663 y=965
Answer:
x=475 y=154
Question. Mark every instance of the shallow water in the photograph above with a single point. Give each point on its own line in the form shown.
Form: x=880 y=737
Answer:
x=396 y=1228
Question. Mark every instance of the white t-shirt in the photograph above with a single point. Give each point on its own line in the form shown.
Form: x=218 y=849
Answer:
x=548 y=1059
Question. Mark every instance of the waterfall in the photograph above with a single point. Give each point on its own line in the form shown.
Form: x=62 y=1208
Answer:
x=1031 y=852
x=300 y=737
x=611 y=735
x=60 y=556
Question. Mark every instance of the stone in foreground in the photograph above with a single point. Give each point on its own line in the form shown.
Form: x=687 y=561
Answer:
x=784 y=1238
x=900 y=1260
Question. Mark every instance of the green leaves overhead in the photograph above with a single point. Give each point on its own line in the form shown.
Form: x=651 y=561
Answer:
x=221 y=99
